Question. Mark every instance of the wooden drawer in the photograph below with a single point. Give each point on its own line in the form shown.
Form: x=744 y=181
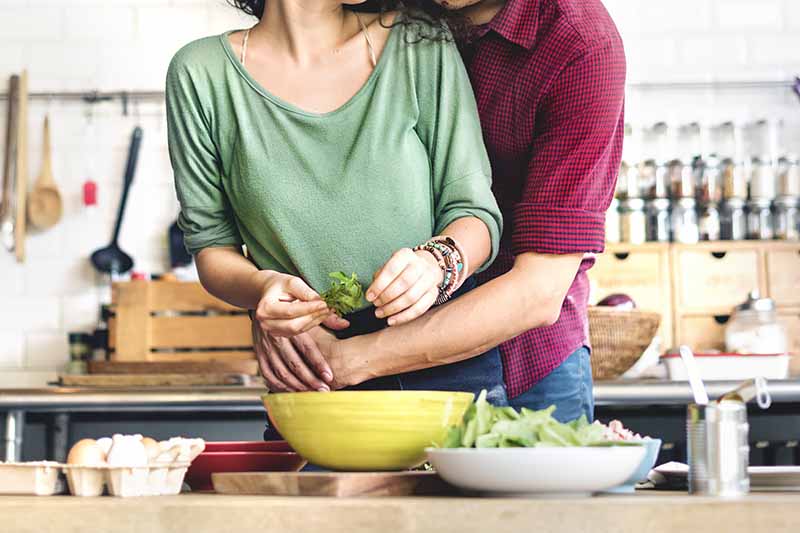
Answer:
x=713 y=281
x=792 y=322
x=702 y=332
x=783 y=276
x=643 y=274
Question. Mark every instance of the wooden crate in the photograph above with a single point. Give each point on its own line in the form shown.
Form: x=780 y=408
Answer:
x=643 y=273
x=171 y=321
x=783 y=274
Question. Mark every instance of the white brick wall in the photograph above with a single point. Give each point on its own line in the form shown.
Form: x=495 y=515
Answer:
x=126 y=44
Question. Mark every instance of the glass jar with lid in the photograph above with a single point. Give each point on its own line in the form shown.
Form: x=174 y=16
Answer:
x=754 y=328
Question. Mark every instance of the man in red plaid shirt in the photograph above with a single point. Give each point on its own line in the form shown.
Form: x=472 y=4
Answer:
x=549 y=79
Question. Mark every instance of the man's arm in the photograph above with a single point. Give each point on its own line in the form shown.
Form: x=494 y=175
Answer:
x=530 y=295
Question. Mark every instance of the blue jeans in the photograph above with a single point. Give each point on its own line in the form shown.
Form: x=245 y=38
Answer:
x=568 y=387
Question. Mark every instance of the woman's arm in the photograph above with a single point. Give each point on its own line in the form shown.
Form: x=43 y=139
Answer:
x=464 y=207
x=530 y=295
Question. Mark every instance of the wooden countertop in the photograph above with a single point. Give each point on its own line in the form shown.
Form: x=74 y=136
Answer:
x=644 y=512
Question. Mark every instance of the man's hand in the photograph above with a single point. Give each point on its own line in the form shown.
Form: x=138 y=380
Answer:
x=406 y=286
x=294 y=364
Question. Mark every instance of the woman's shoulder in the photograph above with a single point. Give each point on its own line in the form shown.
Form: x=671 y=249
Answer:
x=202 y=54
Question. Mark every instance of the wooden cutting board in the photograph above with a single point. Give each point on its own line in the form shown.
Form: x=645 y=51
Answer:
x=177 y=367
x=335 y=484
x=152 y=380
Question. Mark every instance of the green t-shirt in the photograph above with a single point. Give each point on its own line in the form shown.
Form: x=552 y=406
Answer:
x=310 y=194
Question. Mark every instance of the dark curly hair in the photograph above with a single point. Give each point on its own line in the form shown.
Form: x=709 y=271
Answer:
x=434 y=21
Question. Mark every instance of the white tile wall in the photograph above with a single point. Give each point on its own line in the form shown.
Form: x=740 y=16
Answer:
x=126 y=44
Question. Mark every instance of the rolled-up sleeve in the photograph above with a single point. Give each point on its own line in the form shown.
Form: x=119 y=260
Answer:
x=575 y=157
x=206 y=217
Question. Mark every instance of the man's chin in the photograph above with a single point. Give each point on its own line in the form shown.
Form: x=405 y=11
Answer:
x=455 y=5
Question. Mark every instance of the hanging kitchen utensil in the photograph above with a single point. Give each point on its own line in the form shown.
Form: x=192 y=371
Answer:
x=111 y=259
x=21 y=181
x=9 y=167
x=44 y=202
x=178 y=255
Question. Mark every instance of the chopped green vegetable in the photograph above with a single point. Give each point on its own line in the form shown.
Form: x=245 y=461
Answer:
x=345 y=294
x=486 y=426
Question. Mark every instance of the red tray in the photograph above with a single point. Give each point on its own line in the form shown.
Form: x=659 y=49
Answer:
x=199 y=474
x=248 y=446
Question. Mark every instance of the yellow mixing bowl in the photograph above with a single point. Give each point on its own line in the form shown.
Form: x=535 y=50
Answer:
x=365 y=430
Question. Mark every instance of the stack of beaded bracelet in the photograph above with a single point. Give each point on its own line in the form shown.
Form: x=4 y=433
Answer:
x=452 y=262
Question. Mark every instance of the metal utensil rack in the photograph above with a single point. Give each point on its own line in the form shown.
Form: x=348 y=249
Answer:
x=126 y=97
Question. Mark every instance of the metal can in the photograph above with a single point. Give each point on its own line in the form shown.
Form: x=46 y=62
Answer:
x=787 y=218
x=684 y=221
x=633 y=224
x=718 y=450
x=658 y=221
x=760 y=225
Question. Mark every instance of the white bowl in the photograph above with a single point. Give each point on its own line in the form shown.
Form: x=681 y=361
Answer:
x=572 y=471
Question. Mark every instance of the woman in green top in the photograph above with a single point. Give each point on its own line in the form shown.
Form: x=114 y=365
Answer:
x=331 y=137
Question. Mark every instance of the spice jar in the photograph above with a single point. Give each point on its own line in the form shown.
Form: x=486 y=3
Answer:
x=658 y=221
x=709 y=223
x=787 y=218
x=759 y=220
x=684 y=221
x=789 y=177
x=681 y=179
x=734 y=181
x=632 y=221
x=612 y=222
x=709 y=181
x=762 y=180
x=733 y=220
x=754 y=328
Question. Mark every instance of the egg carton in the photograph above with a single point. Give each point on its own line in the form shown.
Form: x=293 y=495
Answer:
x=38 y=478
x=125 y=481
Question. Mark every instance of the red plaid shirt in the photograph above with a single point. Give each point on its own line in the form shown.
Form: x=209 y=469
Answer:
x=549 y=79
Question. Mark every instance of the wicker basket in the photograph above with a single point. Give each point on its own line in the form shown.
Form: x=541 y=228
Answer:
x=619 y=337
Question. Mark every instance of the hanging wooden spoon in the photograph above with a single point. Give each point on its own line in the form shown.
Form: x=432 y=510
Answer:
x=44 y=203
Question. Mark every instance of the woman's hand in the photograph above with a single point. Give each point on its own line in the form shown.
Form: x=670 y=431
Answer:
x=406 y=286
x=288 y=306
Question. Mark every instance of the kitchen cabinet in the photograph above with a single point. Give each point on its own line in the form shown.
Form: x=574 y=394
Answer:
x=642 y=272
x=696 y=286
x=715 y=278
x=783 y=275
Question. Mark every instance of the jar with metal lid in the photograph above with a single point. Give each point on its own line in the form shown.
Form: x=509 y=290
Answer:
x=754 y=328
x=733 y=220
x=762 y=180
x=710 y=225
x=633 y=225
x=681 y=179
x=789 y=177
x=787 y=218
x=612 y=222
x=734 y=180
x=658 y=221
x=760 y=225
x=684 y=221
x=709 y=181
